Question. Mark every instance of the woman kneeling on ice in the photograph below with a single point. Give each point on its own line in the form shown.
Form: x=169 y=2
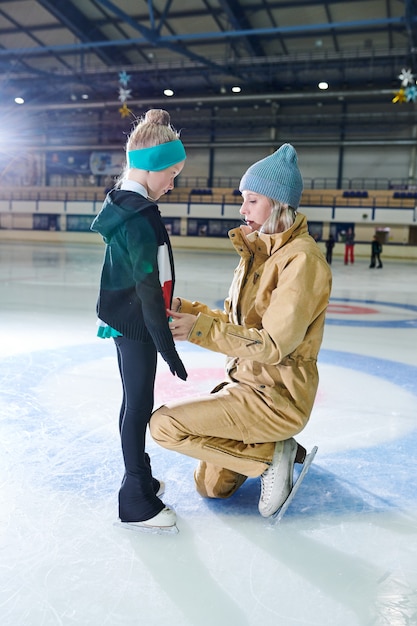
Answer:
x=271 y=330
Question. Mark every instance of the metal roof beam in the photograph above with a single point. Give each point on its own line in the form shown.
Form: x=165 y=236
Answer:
x=411 y=23
x=267 y=7
x=333 y=34
x=163 y=16
x=31 y=35
x=153 y=38
x=66 y=13
x=361 y=95
x=151 y=35
x=238 y=21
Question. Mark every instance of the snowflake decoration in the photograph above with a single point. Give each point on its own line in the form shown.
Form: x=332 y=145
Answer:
x=124 y=78
x=406 y=77
x=124 y=110
x=399 y=96
x=408 y=90
x=124 y=94
x=411 y=93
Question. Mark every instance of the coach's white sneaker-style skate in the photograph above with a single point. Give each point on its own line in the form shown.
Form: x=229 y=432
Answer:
x=277 y=480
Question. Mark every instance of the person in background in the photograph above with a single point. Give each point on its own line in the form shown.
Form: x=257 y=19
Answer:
x=349 y=247
x=270 y=331
x=376 y=250
x=329 y=249
x=136 y=289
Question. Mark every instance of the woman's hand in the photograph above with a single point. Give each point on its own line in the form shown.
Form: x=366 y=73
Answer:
x=176 y=304
x=180 y=324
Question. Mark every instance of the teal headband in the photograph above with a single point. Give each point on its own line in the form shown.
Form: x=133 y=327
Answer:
x=157 y=158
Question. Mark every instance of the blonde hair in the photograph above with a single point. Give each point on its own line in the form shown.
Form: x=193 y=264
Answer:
x=152 y=130
x=282 y=217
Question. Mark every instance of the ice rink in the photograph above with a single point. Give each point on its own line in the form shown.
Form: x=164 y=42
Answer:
x=345 y=554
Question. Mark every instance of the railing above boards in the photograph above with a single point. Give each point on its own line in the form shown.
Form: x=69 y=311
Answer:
x=311 y=197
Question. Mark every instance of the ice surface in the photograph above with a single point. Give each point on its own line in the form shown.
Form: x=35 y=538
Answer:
x=345 y=553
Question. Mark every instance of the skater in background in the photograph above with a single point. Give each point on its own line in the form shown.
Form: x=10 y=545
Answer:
x=270 y=331
x=376 y=250
x=329 y=249
x=135 y=292
x=349 y=247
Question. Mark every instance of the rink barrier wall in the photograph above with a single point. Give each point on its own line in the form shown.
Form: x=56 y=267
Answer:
x=202 y=220
x=362 y=249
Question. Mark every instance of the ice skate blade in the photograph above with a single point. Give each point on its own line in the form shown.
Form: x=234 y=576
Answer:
x=153 y=530
x=277 y=517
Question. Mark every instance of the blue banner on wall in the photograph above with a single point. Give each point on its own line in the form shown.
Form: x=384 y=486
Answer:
x=107 y=163
x=96 y=163
x=68 y=162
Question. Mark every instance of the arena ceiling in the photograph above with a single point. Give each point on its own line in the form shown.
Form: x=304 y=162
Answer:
x=122 y=55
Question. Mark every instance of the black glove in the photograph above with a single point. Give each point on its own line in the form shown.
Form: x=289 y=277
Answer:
x=175 y=364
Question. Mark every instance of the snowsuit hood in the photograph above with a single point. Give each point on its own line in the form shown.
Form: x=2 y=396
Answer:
x=118 y=207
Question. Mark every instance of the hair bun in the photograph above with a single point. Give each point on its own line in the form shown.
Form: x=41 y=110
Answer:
x=157 y=116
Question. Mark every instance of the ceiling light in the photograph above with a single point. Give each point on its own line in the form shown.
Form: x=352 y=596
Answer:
x=168 y=92
x=323 y=85
x=84 y=96
x=19 y=100
x=236 y=89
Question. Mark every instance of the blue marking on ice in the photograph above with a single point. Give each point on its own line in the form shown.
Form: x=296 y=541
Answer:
x=346 y=321
x=362 y=480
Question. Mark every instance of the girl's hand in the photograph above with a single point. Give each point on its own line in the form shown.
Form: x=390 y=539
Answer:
x=180 y=324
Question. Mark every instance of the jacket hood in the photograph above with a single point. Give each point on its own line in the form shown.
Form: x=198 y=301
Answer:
x=118 y=207
x=270 y=242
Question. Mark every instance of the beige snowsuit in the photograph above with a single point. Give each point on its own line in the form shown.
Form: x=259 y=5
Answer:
x=271 y=330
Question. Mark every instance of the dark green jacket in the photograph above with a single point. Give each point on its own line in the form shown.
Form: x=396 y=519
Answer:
x=137 y=278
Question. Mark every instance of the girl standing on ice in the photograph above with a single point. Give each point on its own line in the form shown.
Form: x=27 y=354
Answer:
x=136 y=290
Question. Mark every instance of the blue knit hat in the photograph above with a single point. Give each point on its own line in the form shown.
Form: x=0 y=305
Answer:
x=277 y=177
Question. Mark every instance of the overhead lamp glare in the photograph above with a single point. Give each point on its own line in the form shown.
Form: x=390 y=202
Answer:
x=168 y=92
x=323 y=85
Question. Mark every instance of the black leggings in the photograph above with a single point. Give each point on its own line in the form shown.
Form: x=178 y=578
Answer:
x=137 y=366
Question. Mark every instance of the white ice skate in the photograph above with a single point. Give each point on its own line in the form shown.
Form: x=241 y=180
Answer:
x=163 y=523
x=277 y=517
